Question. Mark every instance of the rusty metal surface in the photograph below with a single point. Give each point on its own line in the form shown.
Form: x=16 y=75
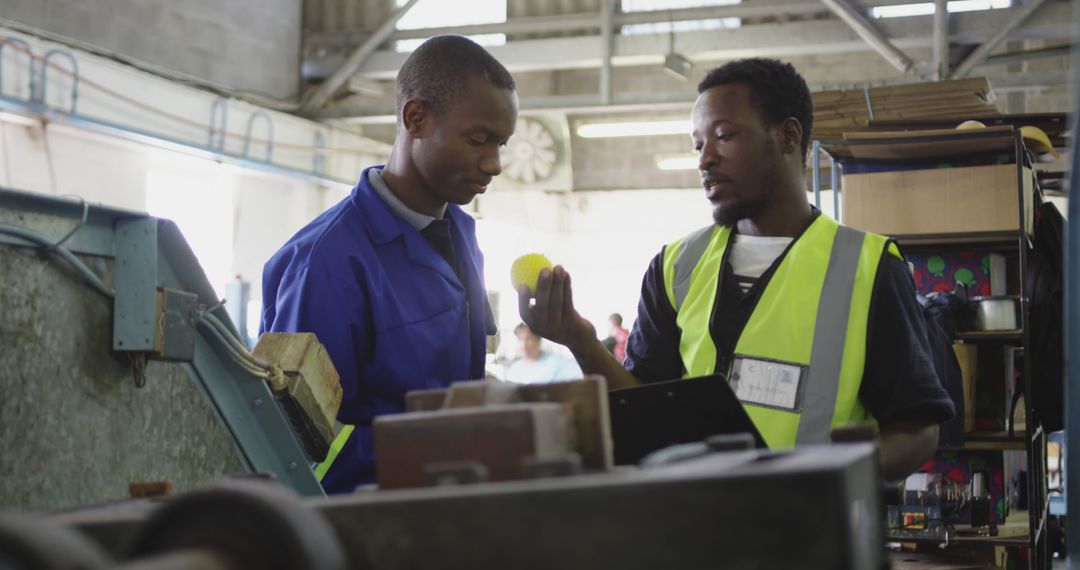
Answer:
x=587 y=398
x=74 y=429
x=813 y=507
x=500 y=438
x=816 y=507
x=425 y=400
x=476 y=393
x=592 y=420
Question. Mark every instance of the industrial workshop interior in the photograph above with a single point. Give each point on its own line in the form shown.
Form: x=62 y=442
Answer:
x=539 y=284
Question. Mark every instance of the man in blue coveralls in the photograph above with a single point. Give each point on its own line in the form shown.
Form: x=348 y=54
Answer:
x=391 y=279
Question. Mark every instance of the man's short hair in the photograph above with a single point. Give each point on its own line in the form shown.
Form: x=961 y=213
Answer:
x=616 y=318
x=438 y=71
x=776 y=89
x=522 y=327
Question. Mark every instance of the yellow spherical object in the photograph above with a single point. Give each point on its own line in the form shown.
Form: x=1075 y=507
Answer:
x=526 y=270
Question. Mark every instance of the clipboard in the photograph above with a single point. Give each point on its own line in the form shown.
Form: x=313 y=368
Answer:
x=660 y=414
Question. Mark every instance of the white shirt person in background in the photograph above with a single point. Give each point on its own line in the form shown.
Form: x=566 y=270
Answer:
x=536 y=365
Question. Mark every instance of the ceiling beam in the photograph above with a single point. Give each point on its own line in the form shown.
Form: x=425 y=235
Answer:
x=792 y=39
x=980 y=54
x=608 y=9
x=857 y=21
x=941 y=39
x=355 y=61
x=589 y=21
x=673 y=101
x=580 y=21
x=1029 y=55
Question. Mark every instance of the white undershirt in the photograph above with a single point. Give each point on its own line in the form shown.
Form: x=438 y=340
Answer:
x=753 y=255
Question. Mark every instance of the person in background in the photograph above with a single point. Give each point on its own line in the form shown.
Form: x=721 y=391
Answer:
x=814 y=324
x=391 y=279
x=536 y=365
x=619 y=335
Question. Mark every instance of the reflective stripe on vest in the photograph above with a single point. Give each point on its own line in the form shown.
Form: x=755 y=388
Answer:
x=335 y=448
x=830 y=331
x=826 y=278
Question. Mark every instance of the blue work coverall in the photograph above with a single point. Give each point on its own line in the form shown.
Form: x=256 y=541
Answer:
x=392 y=313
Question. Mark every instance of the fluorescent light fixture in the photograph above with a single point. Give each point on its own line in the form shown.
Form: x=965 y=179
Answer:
x=634 y=129
x=676 y=162
x=927 y=8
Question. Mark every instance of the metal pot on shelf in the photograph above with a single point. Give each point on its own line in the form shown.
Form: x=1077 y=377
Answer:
x=997 y=313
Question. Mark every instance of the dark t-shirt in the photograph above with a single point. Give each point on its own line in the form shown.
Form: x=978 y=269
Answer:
x=899 y=380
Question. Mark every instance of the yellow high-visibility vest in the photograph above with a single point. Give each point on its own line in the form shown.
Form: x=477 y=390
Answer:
x=811 y=317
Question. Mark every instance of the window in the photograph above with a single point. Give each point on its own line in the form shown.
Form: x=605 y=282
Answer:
x=927 y=8
x=201 y=205
x=441 y=14
x=679 y=26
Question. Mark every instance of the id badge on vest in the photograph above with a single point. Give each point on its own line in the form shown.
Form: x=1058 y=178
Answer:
x=768 y=383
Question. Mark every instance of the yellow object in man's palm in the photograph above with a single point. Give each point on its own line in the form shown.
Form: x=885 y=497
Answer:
x=526 y=270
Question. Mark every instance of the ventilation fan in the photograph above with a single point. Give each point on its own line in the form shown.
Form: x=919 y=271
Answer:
x=531 y=154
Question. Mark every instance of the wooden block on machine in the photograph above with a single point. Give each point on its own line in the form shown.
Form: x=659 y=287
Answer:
x=586 y=397
x=501 y=439
x=592 y=418
x=310 y=390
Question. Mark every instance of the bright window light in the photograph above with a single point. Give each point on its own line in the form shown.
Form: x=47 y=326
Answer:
x=441 y=14
x=201 y=205
x=634 y=129
x=975 y=5
x=679 y=26
x=927 y=8
x=677 y=162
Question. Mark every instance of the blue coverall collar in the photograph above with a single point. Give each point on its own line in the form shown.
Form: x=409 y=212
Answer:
x=384 y=226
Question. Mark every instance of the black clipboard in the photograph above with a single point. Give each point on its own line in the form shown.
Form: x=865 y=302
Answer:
x=656 y=415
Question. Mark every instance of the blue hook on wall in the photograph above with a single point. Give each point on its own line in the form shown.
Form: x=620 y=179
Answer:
x=29 y=54
x=269 y=133
x=318 y=155
x=43 y=69
x=222 y=104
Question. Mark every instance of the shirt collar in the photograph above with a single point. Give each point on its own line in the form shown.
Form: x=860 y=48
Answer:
x=414 y=218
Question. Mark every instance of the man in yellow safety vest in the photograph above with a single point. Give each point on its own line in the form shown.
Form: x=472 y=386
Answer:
x=814 y=324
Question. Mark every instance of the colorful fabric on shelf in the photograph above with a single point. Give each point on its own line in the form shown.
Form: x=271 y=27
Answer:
x=942 y=271
x=958 y=466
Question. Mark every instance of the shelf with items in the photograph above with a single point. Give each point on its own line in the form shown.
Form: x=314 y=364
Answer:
x=961 y=206
x=1015 y=531
x=1000 y=440
x=1015 y=337
x=1008 y=239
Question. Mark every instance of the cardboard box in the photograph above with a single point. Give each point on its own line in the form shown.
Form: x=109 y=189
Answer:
x=936 y=201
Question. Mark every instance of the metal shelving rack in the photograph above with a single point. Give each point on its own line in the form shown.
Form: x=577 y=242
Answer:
x=1034 y=441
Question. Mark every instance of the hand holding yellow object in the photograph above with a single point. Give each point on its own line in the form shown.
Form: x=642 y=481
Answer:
x=526 y=270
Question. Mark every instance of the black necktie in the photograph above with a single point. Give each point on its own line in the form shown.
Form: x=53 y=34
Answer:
x=437 y=233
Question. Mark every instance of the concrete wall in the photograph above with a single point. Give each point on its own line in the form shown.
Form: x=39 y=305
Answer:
x=240 y=44
x=74 y=428
x=262 y=209
x=112 y=94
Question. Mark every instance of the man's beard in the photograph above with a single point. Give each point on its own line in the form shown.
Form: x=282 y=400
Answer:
x=740 y=209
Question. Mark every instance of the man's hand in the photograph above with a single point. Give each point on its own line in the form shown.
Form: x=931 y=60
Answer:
x=553 y=316
x=905 y=445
